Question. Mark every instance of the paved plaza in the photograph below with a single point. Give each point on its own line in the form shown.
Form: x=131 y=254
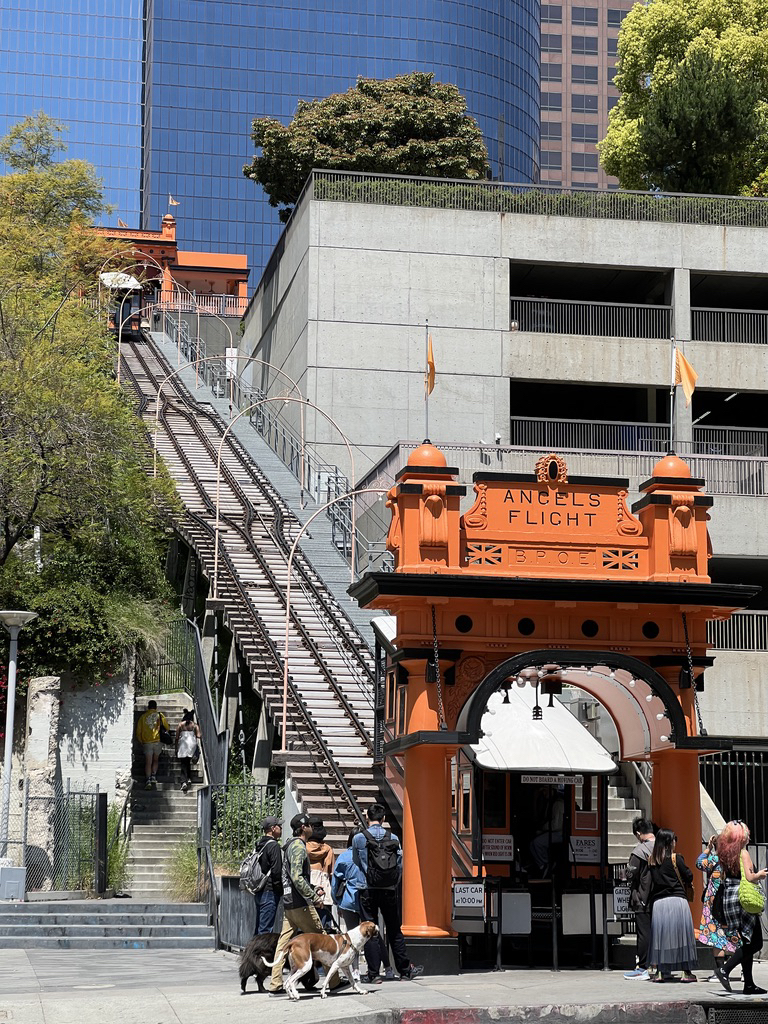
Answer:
x=169 y=987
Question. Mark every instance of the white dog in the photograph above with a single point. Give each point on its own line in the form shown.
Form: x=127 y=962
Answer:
x=337 y=953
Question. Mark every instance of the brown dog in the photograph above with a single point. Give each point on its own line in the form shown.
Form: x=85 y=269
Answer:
x=337 y=953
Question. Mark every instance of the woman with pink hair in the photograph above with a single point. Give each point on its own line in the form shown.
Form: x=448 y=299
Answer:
x=732 y=853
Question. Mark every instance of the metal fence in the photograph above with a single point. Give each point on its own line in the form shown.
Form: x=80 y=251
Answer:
x=626 y=436
x=736 y=781
x=550 y=201
x=743 y=326
x=601 y=319
x=231 y=817
x=229 y=825
x=744 y=631
x=173 y=670
x=600 y=435
x=55 y=835
x=722 y=474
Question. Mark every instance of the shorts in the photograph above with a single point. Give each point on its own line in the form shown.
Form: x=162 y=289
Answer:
x=153 y=748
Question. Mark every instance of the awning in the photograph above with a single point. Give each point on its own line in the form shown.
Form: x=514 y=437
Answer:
x=119 y=281
x=513 y=741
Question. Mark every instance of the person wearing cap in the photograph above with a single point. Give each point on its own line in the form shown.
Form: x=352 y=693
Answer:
x=271 y=861
x=300 y=899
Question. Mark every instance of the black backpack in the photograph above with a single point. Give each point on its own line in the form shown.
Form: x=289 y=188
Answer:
x=383 y=870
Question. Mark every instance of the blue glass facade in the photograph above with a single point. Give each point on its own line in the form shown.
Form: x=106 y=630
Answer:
x=209 y=67
x=214 y=65
x=80 y=61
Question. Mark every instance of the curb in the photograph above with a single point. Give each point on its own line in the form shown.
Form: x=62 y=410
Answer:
x=566 y=1013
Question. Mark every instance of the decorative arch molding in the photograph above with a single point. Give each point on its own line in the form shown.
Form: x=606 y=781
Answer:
x=471 y=714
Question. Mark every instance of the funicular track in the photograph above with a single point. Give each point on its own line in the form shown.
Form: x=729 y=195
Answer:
x=330 y=711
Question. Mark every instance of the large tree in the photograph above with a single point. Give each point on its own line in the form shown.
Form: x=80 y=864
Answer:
x=692 y=114
x=80 y=522
x=404 y=125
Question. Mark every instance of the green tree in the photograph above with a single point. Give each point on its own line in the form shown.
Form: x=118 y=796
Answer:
x=404 y=125
x=81 y=524
x=693 y=82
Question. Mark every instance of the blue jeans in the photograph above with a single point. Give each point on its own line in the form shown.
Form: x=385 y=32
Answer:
x=266 y=908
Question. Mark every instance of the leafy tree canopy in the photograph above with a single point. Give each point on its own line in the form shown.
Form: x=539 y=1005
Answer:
x=80 y=521
x=692 y=115
x=404 y=125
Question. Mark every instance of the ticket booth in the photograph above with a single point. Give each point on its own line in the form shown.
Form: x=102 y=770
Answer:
x=539 y=835
x=547 y=582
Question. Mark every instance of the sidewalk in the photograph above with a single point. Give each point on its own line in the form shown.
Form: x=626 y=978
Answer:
x=167 y=987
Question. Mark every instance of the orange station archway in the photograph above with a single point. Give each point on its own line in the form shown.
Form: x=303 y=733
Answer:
x=541 y=569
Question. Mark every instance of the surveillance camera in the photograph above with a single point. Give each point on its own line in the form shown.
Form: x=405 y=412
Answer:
x=498 y=437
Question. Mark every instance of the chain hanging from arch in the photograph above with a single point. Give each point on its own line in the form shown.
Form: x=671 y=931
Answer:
x=438 y=680
x=702 y=730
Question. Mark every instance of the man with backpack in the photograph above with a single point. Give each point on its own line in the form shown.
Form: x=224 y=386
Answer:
x=262 y=874
x=300 y=899
x=380 y=856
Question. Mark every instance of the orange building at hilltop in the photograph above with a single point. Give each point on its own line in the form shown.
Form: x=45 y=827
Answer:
x=548 y=586
x=218 y=281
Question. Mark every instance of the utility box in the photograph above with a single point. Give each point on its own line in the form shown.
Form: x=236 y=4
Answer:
x=13 y=883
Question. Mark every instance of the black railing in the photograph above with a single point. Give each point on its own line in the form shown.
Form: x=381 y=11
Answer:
x=736 y=781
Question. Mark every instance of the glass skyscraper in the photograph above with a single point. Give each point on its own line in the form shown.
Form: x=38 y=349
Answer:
x=80 y=61
x=210 y=66
x=214 y=65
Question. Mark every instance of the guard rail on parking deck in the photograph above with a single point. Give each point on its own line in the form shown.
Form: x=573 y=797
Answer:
x=524 y=198
x=744 y=631
x=598 y=319
x=742 y=326
x=627 y=436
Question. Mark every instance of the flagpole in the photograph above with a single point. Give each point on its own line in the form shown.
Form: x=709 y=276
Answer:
x=426 y=380
x=672 y=397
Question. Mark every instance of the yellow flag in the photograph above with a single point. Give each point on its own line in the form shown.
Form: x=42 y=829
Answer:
x=429 y=379
x=685 y=375
x=172 y=201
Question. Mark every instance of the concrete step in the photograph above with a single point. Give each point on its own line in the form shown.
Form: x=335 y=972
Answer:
x=102 y=907
x=101 y=931
x=134 y=941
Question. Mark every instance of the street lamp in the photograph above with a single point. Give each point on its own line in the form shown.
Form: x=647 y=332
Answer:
x=13 y=622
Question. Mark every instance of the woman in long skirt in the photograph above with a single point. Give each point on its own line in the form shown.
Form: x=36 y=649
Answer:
x=731 y=849
x=673 y=945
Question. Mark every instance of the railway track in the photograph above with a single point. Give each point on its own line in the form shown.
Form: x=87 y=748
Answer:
x=330 y=713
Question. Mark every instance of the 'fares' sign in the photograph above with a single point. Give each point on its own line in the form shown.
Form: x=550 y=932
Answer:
x=578 y=527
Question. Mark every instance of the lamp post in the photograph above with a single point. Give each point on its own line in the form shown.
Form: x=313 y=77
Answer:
x=13 y=622
x=351 y=494
x=327 y=505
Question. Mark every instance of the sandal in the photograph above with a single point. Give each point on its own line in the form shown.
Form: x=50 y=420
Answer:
x=688 y=977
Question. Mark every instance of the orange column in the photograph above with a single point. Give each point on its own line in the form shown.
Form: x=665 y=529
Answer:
x=427 y=842
x=426 y=816
x=677 y=806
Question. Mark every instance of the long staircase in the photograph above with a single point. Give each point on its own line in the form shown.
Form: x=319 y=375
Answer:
x=163 y=817
x=330 y=711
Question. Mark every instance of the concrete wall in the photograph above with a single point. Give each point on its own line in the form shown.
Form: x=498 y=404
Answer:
x=96 y=731
x=344 y=311
x=735 y=697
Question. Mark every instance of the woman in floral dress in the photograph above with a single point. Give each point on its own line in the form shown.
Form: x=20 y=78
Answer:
x=713 y=932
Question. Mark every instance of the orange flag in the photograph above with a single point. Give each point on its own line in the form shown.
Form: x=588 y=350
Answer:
x=685 y=375
x=429 y=379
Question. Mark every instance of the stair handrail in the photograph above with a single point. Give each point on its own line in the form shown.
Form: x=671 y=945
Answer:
x=215 y=752
x=641 y=775
x=122 y=819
